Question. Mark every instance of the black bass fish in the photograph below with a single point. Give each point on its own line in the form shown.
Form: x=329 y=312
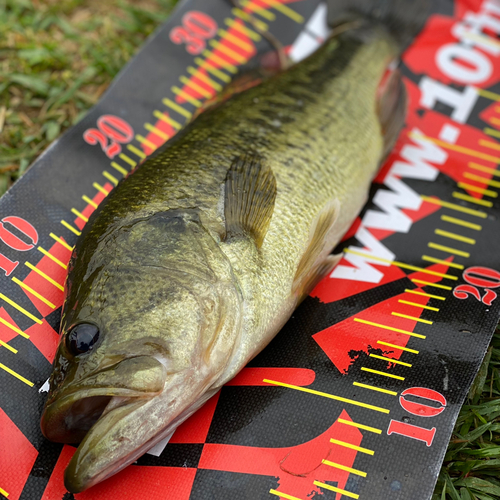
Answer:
x=194 y=262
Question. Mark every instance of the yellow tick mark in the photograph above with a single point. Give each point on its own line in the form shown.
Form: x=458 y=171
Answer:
x=455 y=236
x=376 y=389
x=377 y=372
x=391 y=328
x=20 y=377
x=35 y=293
x=471 y=199
x=43 y=275
x=119 y=168
x=50 y=256
x=71 y=228
x=344 y=468
x=426 y=258
x=401 y=264
x=418 y=305
x=92 y=203
x=179 y=109
x=416 y=292
x=61 y=242
x=394 y=346
x=359 y=426
x=336 y=490
x=454 y=206
x=390 y=360
x=329 y=396
x=19 y=308
x=79 y=214
x=453 y=251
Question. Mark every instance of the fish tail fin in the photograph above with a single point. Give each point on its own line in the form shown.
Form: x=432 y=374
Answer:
x=404 y=19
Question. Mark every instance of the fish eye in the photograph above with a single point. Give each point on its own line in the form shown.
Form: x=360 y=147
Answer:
x=82 y=338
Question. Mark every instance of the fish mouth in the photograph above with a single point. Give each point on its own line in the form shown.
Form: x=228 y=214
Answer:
x=71 y=413
x=69 y=419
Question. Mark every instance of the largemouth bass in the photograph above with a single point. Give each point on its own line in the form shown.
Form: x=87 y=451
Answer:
x=194 y=262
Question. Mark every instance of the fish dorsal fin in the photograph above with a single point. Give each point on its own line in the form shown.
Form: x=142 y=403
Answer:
x=312 y=267
x=250 y=194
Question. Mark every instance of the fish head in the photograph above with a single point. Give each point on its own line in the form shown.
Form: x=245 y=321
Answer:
x=147 y=313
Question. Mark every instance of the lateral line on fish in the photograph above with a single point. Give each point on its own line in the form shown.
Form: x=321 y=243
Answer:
x=401 y=264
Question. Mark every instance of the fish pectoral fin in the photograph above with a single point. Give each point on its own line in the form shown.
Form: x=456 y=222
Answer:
x=310 y=271
x=250 y=194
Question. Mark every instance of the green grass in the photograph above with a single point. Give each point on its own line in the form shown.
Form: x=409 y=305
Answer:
x=56 y=59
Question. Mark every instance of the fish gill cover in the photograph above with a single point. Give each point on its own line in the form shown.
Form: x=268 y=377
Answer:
x=357 y=396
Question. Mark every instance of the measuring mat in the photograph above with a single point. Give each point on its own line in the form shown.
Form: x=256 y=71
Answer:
x=357 y=396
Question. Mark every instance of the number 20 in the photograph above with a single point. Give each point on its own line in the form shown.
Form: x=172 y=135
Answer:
x=109 y=127
x=482 y=277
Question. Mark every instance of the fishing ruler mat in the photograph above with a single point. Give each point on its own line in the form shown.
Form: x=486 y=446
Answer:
x=358 y=395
